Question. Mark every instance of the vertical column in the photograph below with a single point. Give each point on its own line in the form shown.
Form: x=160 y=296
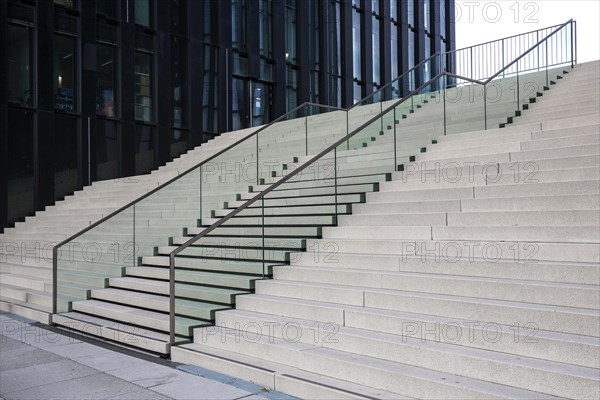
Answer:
x=327 y=25
x=347 y=52
x=88 y=92
x=44 y=126
x=225 y=63
x=3 y=123
x=279 y=73
x=164 y=93
x=302 y=26
x=366 y=39
x=195 y=72
x=127 y=54
x=386 y=38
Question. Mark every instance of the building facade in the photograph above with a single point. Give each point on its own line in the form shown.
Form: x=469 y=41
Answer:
x=104 y=89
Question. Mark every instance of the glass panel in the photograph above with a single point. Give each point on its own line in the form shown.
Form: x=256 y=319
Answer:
x=261 y=103
x=65 y=70
x=265 y=28
x=179 y=16
x=20 y=65
x=375 y=6
x=143 y=87
x=356 y=27
x=210 y=98
x=179 y=81
x=291 y=88
x=107 y=150
x=394 y=10
x=88 y=261
x=426 y=14
x=67 y=3
x=240 y=109
x=376 y=52
x=107 y=7
x=464 y=107
x=20 y=173
x=209 y=15
x=394 y=51
x=107 y=96
x=144 y=149
x=144 y=12
x=443 y=18
x=266 y=71
x=290 y=31
x=238 y=24
x=66 y=132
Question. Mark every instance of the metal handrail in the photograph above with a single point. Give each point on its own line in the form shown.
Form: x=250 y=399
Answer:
x=160 y=187
x=333 y=147
x=530 y=49
x=266 y=191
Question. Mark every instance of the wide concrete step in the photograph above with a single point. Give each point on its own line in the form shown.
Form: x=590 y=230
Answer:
x=148 y=301
x=433 y=250
x=205 y=264
x=217 y=278
x=376 y=327
x=116 y=331
x=292 y=282
x=276 y=376
x=135 y=316
x=404 y=379
x=201 y=293
x=577 y=321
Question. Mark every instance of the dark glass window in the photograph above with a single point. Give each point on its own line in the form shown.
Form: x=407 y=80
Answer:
x=20 y=174
x=144 y=12
x=376 y=42
x=179 y=17
x=65 y=72
x=426 y=14
x=357 y=92
x=20 y=63
x=144 y=149
x=290 y=31
x=210 y=98
x=239 y=103
x=442 y=18
x=144 y=77
x=108 y=8
x=66 y=134
x=356 y=28
x=67 y=3
x=394 y=10
x=210 y=15
x=411 y=48
x=315 y=92
x=375 y=4
x=410 y=13
x=291 y=89
x=394 y=51
x=107 y=150
x=265 y=28
x=261 y=103
x=238 y=24
x=179 y=78
x=179 y=142
x=314 y=29
x=107 y=68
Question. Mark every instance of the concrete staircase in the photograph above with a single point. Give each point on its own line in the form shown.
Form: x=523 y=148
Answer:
x=473 y=273
x=107 y=298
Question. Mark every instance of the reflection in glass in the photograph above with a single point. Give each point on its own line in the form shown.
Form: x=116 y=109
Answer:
x=260 y=103
x=376 y=51
x=265 y=28
x=238 y=24
x=143 y=87
x=291 y=89
x=106 y=96
x=356 y=44
x=66 y=3
x=65 y=72
x=239 y=104
x=107 y=150
x=290 y=31
x=144 y=12
x=178 y=142
x=20 y=64
x=20 y=176
x=179 y=60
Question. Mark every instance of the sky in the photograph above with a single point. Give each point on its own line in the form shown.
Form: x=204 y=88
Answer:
x=482 y=21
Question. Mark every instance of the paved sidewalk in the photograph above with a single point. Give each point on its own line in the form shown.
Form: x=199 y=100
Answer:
x=36 y=363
